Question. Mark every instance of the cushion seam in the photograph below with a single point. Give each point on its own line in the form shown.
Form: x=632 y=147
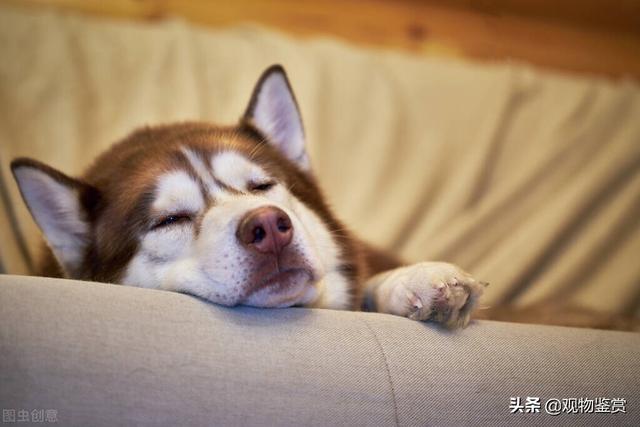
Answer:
x=388 y=370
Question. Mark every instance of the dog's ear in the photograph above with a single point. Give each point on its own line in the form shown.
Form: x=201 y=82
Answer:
x=274 y=112
x=61 y=206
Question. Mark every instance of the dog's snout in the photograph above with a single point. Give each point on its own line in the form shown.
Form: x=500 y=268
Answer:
x=267 y=230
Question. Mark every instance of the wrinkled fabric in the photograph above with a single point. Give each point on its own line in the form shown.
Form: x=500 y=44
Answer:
x=528 y=179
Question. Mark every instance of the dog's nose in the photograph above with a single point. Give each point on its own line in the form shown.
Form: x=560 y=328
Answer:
x=267 y=229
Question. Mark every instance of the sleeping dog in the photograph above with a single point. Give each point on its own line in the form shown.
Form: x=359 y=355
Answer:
x=232 y=215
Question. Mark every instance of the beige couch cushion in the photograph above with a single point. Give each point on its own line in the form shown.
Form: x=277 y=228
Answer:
x=105 y=355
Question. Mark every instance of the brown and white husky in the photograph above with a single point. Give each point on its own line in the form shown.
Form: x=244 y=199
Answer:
x=232 y=215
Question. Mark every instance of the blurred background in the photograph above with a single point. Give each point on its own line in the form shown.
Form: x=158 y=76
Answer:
x=503 y=135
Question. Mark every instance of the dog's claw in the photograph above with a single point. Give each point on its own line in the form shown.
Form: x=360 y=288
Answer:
x=414 y=301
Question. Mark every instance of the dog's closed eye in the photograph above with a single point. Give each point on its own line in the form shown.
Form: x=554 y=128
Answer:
x=261 y=186
x=165 y=221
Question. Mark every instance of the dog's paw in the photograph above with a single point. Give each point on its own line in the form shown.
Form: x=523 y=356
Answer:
x=435 y=291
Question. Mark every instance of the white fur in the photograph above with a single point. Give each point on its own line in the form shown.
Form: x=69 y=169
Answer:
x=177 y=192
x=236 y=171
x=213 y=264
x=202 y=170
x=56 y=209
x=333 y=292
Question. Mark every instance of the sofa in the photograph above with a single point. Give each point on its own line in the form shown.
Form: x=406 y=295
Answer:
x=106 y=355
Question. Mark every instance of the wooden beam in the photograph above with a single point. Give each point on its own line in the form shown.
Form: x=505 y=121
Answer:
x=545 y=34
x=617 y=16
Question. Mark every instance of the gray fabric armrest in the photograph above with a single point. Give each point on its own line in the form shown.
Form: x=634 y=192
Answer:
x=104 y=355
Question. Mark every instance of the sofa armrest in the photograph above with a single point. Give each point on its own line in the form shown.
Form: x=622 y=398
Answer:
x=111 y=355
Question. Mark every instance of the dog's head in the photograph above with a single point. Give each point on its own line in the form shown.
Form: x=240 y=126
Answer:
x=232 y=215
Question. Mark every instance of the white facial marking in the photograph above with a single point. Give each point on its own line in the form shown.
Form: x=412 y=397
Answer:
x=334 y=292
x=215 y=265
x=236 y=171
x=177 y=192
x=202 y=170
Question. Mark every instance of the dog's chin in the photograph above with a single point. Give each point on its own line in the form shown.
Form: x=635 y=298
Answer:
x=284 y=289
